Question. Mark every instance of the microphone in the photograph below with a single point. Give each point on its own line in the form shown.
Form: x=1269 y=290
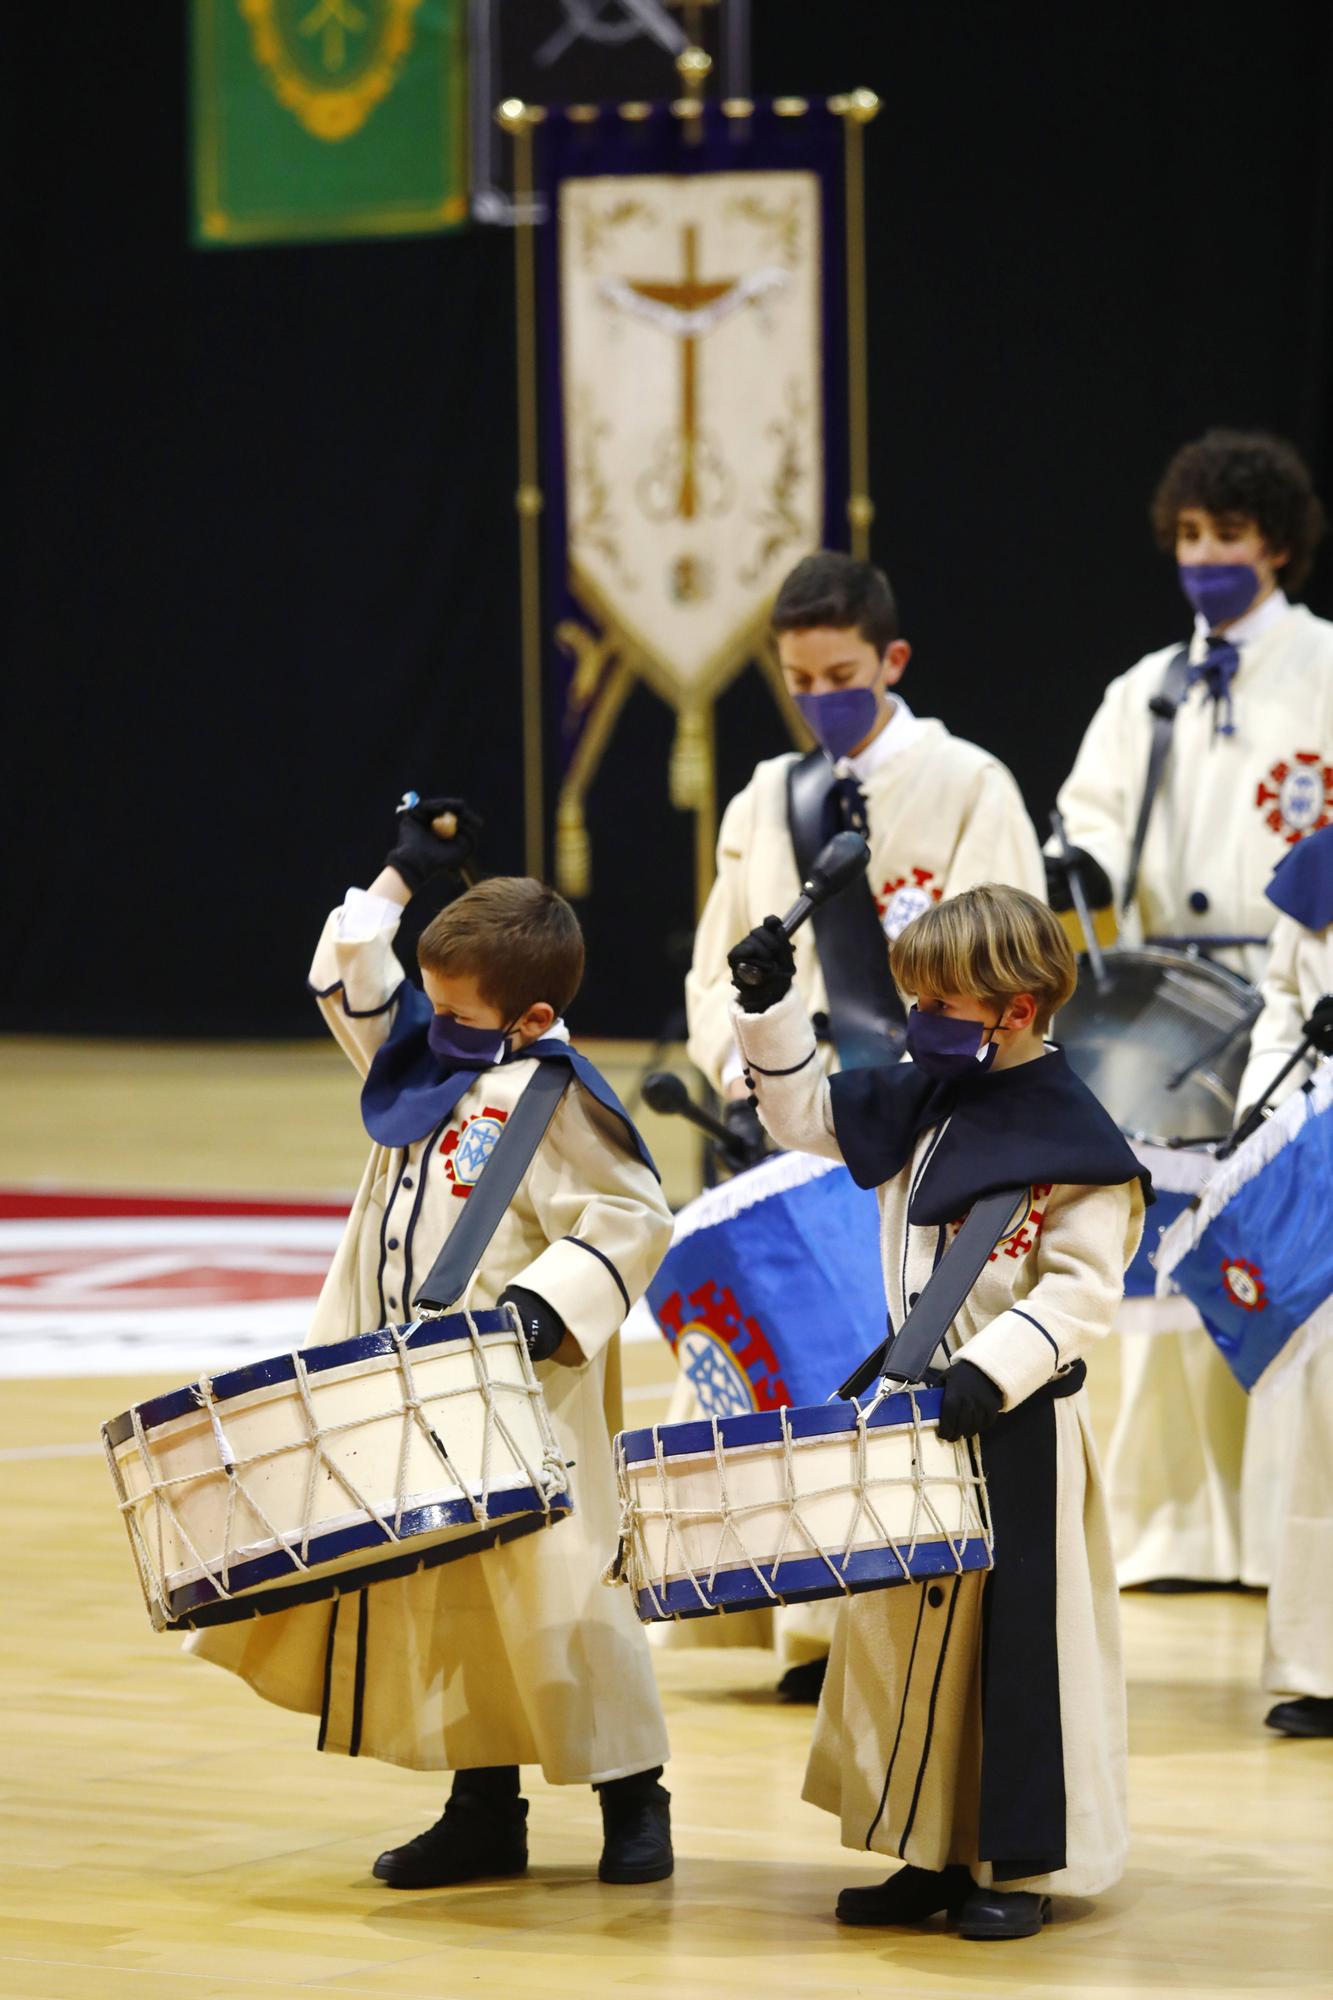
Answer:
x=845 y=857
x=665 y=1093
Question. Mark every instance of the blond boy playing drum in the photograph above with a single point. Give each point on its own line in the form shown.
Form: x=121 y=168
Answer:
x=516 y=1655
x=974 y=1726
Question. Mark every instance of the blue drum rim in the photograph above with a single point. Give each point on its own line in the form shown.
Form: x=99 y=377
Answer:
x=802 y=1420
x=804 y=1579
x=281 y=1368
x=200 y=1603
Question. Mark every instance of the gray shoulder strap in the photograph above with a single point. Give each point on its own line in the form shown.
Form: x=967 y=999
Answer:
x=1175 y=682
x=497 y=1184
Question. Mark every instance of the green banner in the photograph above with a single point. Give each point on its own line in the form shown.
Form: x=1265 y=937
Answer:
x=315 y=119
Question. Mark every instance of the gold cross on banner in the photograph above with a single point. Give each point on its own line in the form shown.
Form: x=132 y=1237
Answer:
x=687 y=295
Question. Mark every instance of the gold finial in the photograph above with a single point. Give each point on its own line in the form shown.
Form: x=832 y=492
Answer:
x=512 y=114
x=694 y=66
x=860 y=106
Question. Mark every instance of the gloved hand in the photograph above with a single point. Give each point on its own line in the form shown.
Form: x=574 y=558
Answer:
x=970 y=1403
x=543 y=1328
x=1319 y=1027
x=1096 y=882
x=749 y=1141
x=418 y=851
x=769 y=951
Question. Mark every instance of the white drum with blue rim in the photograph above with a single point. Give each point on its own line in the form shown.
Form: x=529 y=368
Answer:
x=788 y=1505
x=335 y=1467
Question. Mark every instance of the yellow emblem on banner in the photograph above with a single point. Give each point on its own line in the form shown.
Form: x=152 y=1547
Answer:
x=330 y=62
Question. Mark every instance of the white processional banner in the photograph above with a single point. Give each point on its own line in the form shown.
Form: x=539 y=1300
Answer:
x=693 y=410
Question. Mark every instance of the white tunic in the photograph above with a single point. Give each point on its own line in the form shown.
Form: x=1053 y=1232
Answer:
x=1190 y=1491
x=1045 y=1299
x=1298 y=1648
x=518 y=1655
x=943 y=816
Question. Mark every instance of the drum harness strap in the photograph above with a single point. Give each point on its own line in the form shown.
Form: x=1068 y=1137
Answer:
x=496 y=1186
x=866 y=1017
x=905 y=1355
x=1163 y=706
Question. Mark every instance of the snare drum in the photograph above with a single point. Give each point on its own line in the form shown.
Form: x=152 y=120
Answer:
x=335 y=1467
x=788 y=1505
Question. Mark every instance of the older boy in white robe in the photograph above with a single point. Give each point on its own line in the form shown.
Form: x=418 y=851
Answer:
x=516 y=1655
x=1248 y=774
x=939 y=814
x=975 y=1726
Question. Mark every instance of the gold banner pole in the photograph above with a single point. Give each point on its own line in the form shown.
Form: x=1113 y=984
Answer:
x=518 y=120
x=856 y=110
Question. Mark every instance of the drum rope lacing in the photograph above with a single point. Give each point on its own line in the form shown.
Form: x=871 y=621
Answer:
x=149 y=1540
x=634 y=1563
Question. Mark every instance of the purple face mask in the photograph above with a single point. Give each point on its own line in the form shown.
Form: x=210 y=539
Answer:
x=947 y=1048
x=842 y=719
x=464 y=1048
x=1219 y=592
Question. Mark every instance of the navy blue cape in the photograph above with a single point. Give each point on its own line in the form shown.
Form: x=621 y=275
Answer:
x=1036 y=1125
x=409 y=1091
x=1302 y=883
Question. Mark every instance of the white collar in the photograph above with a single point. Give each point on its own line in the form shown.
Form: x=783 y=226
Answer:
x=1254 y=624
x=557 y=1032
x=898 y=734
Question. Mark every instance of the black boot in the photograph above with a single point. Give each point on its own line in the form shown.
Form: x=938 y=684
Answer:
x=482 y=1832
x=636 y=1829
x=1003 y=1913
x=1307 y=1715
x=912 y=1896
x=803 y=1683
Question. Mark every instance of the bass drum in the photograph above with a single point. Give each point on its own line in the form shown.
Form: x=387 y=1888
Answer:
x=1162 y=1042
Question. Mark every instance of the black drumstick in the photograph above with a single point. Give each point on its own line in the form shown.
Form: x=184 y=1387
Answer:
x=666 y=1094
x=845 y=857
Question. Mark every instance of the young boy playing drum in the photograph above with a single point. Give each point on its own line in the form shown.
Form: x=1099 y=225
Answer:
x=516 y=1655
x=974 y=1726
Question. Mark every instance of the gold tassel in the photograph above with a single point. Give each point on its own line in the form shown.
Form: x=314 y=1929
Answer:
x=573 y=850
x=690 y=761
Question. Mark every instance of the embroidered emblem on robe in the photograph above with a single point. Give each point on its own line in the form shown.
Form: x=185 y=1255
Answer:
x=1296 y=797
x=467 y=1148
x=906 y=897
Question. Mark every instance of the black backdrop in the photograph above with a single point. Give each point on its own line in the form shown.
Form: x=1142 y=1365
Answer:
x=265 y=566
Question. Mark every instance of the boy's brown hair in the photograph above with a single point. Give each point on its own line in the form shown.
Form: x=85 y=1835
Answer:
x=991 y=943
x=518 y=939
x=1250 y=475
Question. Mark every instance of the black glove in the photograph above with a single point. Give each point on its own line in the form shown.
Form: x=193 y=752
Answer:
x=543 y=1328
x=1319 y=1027
x=749 y=1141
x=418 y=852
x=768 y=950
x=1096 y=882
x=970 y=1403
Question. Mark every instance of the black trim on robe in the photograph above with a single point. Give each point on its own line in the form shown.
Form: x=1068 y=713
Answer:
x=1036 y=1123
x=1022 y=1817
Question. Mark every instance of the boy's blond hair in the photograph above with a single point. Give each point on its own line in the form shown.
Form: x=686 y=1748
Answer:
x=991 y=943
x=518 y=939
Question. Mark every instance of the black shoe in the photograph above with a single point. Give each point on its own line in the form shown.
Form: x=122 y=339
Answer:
x=469 y=1840
x=909 y=1897
x=999 y=1913
x=803 y=1683
x=1184 y=1586
x=636 y=1833
x=1308 y=1715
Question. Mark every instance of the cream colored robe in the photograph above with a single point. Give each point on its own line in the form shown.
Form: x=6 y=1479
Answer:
x=882 y=1726
x=943 y=816
x=1298 y=1643
x=517 y=1655
x=1191 y=1469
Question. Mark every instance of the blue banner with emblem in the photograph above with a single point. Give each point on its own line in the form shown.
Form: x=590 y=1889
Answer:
x=771 y=1292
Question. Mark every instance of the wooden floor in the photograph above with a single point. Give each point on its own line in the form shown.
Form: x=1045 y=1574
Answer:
x=166 y=1833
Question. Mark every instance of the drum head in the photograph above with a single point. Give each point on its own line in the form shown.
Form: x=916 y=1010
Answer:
x=1160 y=1012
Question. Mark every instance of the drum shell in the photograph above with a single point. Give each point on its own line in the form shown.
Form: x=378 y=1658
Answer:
x=471 y=1458
x=799 y=1504
x=1158 y=1010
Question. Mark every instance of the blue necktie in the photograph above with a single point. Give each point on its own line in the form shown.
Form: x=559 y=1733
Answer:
x=1217 y=670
